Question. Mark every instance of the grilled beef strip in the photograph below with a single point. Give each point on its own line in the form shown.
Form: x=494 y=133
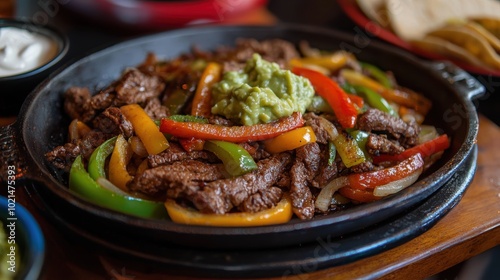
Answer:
x=176 y=153
x=303 y=171
x=376 y=121
x=379 y=144
x=262 y=200
x=179 y=179
x=112 y=121
x=222 y=195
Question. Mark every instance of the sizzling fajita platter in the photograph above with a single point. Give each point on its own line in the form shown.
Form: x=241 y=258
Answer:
x=237 y=137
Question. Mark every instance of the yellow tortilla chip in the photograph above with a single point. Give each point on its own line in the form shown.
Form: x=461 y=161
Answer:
x=440 y=46
x=471 y=41
x=490 y=24
x=492 y=39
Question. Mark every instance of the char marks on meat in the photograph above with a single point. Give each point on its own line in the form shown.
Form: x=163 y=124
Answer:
x=63 y=156
x=112 y=121
x=313 y=120
x=74 y=100
x=304 y=169
x=376 y=121
x=176 y=153
x=262 y=200
x=222 y=195
x=379 y=144
x=274 y=50
x=179 y=179
x=155 y=110
x=137 y=87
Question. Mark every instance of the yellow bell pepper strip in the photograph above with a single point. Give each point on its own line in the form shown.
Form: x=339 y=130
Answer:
x=202 y=100
x=236 y=160
x=81 y=183
x=378 y=74
x=407 y=98
x=98 y=158
x=236 y=134
x=154 y=141
x=279 y=214
x=77 y=130
x=375 y=100
x=425 y=149
x=290 y=140
x=348 y=150
x=118 y=174
x=331 y=62
x=342 y=106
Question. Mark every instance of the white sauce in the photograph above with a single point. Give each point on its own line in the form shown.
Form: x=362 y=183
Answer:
x=22 y=51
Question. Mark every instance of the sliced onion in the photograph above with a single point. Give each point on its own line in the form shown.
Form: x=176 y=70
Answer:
x=105 y=183
x=137 y=146
x=331 y=130
x=324 y=198
x=427 y=133
x=398 y=185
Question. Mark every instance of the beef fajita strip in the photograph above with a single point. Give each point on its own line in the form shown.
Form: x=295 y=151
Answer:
x=222 y=195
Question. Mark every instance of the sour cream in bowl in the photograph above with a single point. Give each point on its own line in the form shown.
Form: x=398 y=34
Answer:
x=28 y=54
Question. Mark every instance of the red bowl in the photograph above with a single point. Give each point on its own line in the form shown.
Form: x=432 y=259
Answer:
x=159 y=14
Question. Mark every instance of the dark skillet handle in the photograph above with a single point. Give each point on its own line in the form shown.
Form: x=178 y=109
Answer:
x=12 y=163
x=467 y=85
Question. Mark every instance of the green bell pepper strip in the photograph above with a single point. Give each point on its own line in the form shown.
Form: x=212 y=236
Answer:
x=188 y=118
x=176 y=100
x=98 y=158
x=348 y=150
x=361 y=137
x=332 y=152
x=375 y=100
x=378 y=74
x=81 y=183
x=237 y=161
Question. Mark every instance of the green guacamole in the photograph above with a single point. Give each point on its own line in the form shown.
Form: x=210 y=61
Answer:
x=261 y=93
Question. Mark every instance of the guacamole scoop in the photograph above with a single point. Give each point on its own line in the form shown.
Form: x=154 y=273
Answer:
x=261 y=93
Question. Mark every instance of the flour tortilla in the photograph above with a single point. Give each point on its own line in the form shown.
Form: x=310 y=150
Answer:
x=375 y=10
x=413 y=19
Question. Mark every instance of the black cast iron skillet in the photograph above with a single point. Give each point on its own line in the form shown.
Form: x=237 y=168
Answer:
x=42 y=126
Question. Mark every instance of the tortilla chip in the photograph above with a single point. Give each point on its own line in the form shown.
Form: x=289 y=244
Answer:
x=490 y=38
x=490 y=24
x=443 y=47
x=471 y=41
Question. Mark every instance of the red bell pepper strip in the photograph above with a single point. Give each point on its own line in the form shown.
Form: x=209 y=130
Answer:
x=358 y=195
x=235 y=134
x=369 y=180
x=426 y=149
x=358 y=100
x=202 y=99
x=342 y=106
